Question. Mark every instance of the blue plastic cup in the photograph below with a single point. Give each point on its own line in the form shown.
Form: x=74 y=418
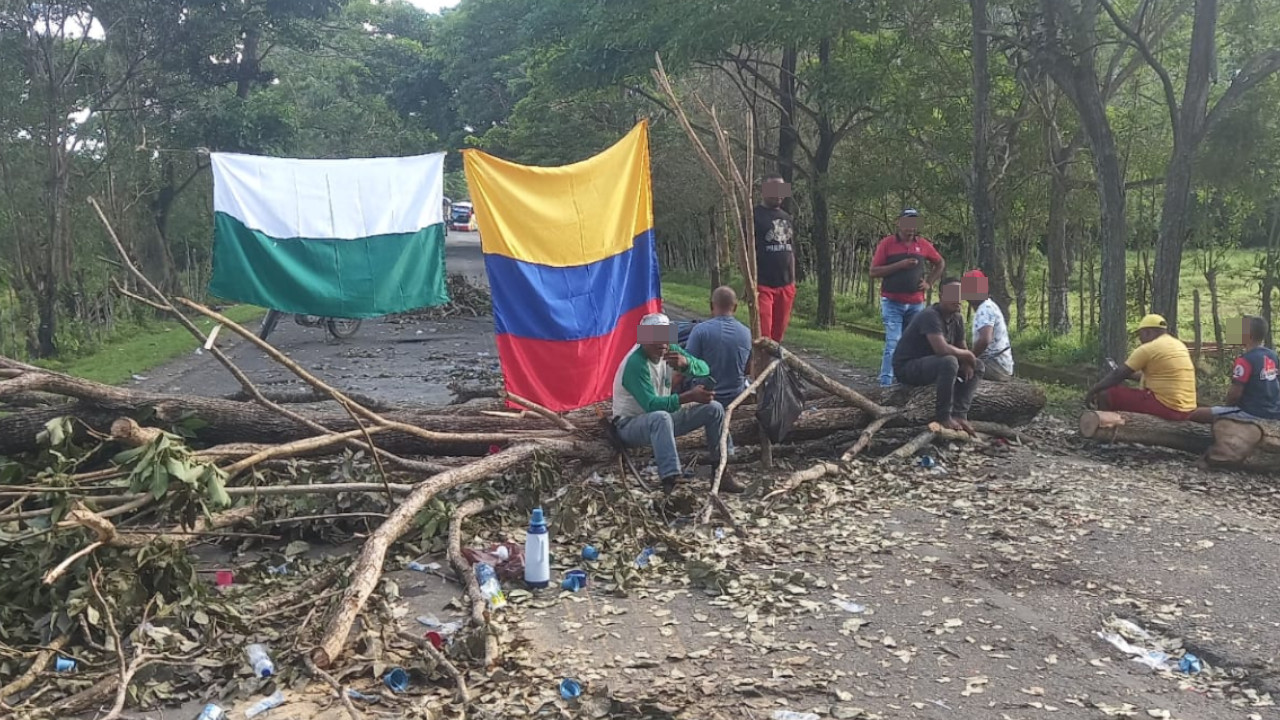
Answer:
x=396 y=679
x=63 y=665
x=574 y=580
x=570 y=689
x=590 y=553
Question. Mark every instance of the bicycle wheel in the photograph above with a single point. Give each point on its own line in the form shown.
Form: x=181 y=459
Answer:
x=343 y=328
x=269 y=323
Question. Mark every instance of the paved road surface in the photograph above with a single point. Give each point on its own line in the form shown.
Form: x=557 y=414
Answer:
x=411 y=359
x=462 y=256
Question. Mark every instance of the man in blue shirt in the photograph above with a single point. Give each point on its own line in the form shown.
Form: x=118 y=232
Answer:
x=724 y=344
x=1255 y=387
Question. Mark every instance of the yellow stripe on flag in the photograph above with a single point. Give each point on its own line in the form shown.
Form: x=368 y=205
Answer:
x=564 y=216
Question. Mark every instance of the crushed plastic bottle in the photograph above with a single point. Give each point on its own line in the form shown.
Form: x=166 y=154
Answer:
x=642 y=560
x=489 y=585
x=212 y=712
x=419 y=567
x=260 y=660
x=1190 y=664
x=274 y=700
x=792 y=715
x=444 y=628
x=850 y=607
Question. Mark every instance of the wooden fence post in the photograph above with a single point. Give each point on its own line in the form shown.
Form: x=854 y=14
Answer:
x=1195 y=314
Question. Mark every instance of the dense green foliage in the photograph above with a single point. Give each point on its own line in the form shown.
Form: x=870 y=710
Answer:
x=1164 y=110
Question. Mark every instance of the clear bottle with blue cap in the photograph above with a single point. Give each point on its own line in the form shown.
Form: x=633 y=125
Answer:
x=537 y=552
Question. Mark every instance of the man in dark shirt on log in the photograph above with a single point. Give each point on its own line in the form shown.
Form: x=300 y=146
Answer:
x=1255 y=387
x=932 y=351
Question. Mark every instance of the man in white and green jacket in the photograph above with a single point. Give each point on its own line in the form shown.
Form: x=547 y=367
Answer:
x=646 y=412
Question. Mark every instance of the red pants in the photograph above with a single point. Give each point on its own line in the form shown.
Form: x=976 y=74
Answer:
x=775 y=310
x=1135 y=400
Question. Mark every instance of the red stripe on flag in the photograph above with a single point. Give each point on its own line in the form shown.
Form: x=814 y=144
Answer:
x=567 y=375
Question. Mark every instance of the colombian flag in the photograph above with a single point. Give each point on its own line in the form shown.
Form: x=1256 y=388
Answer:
x=572 y=267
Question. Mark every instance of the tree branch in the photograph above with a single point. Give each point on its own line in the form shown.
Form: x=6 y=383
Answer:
x=1255 y=71
x=1170 y=96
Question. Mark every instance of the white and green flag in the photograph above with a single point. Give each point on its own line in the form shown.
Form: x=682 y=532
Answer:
x=337 y=238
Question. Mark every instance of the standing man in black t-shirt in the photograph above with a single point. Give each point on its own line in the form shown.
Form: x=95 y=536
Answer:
x=932 y=351
x=1255 y=380
x=775 y=259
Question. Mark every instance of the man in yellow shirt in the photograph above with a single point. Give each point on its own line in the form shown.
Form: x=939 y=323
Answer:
x=1168 y=376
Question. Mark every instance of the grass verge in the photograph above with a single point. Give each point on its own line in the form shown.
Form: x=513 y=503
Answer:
x=142 y=347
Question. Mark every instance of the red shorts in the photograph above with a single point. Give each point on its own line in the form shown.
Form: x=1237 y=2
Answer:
x=1135 y=400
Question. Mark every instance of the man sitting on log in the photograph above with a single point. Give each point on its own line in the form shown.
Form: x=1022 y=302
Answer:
x=1255 y=389
x=645 y=411
x=932 y=351
x=990 y=332
x=1168 y=376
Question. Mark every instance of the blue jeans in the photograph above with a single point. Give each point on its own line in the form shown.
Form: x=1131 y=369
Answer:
x=660 y=429
x=896 y=316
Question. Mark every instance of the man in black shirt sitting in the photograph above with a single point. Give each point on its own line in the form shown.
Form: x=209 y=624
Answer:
x=932 y=351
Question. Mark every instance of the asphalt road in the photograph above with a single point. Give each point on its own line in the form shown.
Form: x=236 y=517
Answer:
x=410 y=358
x=462 y=256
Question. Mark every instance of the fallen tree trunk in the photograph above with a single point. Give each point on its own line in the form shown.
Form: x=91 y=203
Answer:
x=1011 y=404
x=1107 y=426
x=1239 y=442
x=228 y=421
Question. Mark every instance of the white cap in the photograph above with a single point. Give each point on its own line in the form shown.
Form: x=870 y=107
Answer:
x=655 y=319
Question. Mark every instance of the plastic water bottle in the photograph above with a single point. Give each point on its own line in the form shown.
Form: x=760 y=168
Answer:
x=274 y=700
x=489 y=585
x=260 y=660
x=537 y=552
x=642 y=560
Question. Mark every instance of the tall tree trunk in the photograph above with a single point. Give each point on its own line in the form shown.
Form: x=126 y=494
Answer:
x=821 y=228
x=818 y=196
x=980 y=182
x=1173 y=234
x=1056 y=249
x=1071 y=62
x=1188 y=130
x=713 y=259
x=788 y=136
x=1111 y=200
x=247 y=73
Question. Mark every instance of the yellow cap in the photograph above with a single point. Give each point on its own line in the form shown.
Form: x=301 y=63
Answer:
x=1153 y=321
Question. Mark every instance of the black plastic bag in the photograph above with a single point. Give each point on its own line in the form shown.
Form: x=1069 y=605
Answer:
x=781 y=401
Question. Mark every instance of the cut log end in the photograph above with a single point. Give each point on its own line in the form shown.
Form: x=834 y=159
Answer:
x=1235 y=441
x=127 y=431
x=1092 y=422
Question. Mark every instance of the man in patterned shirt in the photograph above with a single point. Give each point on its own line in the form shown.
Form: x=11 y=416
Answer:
x=990 y=332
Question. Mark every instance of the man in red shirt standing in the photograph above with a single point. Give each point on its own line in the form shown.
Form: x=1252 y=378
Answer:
x=775 y=259
x=899 y=263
